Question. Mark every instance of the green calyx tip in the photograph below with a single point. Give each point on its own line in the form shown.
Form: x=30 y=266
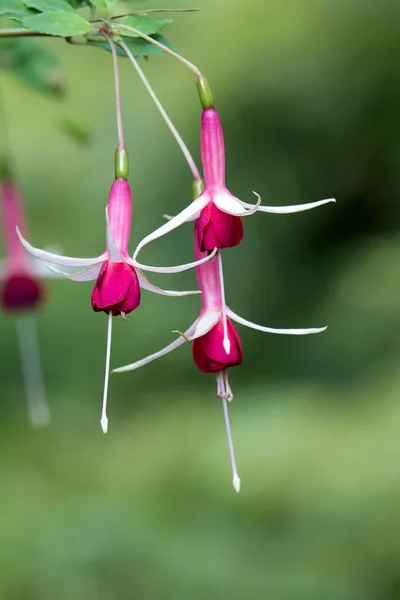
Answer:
x=205 y=93
x=198 y=187
x=121 y=164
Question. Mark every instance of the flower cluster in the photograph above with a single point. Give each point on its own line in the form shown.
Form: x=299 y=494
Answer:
x=218 y=225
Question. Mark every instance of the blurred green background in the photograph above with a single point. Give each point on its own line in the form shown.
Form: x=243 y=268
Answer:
x=309 y=96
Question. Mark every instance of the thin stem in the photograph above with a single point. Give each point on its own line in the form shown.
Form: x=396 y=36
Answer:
x=38 y=410
x=7 y=33
x=117 y=94
x=226 y=342
x=181 y=143
x=188 y=64
x=104 y=418
x=235 y=476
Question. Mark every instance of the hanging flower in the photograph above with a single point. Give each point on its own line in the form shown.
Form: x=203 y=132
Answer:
x=216 y=343
x=218 y=212
x=118 y=278
x=21 y=292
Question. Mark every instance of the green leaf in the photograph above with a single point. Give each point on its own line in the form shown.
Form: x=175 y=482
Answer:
x=60 y=23
x=143 y=23
x=99 y=4
x=32 y=65
x=15 y=8
x=47 y=5
x=138 y=46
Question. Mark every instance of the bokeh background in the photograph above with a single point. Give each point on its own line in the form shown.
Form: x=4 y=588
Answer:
x=309 y=95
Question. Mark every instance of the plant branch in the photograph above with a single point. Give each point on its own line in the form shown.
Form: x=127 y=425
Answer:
x=171 y=126
x=187 y=64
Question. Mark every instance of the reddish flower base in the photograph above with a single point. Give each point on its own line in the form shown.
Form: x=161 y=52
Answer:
x=21 y=292
x=117 y=288
x=209 y=353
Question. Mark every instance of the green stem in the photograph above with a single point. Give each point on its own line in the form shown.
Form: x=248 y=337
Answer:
x=188 y=64
x=7 y=33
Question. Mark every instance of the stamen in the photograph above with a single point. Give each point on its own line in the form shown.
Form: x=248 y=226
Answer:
x=228 y=391
x=236 y=478
x=38 y=410
x=104 y=419
x=219 y=386
x=172 y=128
x=226 y=343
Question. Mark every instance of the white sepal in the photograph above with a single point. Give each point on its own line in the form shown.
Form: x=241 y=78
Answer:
x=57 y=259
x=294 y=208
x=203 y=324
x=150 y=287
x=88 y=274
x=176 y=269
x=140 y=363
x=246 y=323
x=187 y=214
x=233 y=206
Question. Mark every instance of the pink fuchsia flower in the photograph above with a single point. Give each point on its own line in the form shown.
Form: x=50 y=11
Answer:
x=216 y=343
x=119 y=278
x=21 y=292
x=218 y=212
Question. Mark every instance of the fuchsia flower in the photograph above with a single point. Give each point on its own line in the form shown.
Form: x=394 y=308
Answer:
x=216 y=343
x=118 y=277
x=21 y=293
x=218 y=212
x=21 y=288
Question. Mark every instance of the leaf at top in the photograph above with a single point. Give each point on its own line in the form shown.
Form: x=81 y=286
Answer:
x=99 y=4
x=143 y=23
x=46 y=5
x=14 y=8
x=60 y=23
x=138 y=46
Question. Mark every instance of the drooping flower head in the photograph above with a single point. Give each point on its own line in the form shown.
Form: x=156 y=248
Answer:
x=118 y=278
x=217 y=211
x=21 y=288
x=216 y=344
x=21 y=291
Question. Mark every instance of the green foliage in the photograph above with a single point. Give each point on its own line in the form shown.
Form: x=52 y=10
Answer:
x=33 y=65
x=143 y=23
x=14 y=8
x=48 y=5
x=59 y=23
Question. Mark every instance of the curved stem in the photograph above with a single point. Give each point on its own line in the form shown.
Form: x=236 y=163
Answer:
x=117 y=94
x=187 y=64
x=170 y=125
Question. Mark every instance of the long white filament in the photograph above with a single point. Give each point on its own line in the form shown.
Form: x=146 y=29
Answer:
x=235 y=476
x=38 y=410
x=226 y=343
x=104 y=419
x=170 y=125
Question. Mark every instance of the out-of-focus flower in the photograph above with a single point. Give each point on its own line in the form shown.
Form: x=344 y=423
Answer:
x=21 y=291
